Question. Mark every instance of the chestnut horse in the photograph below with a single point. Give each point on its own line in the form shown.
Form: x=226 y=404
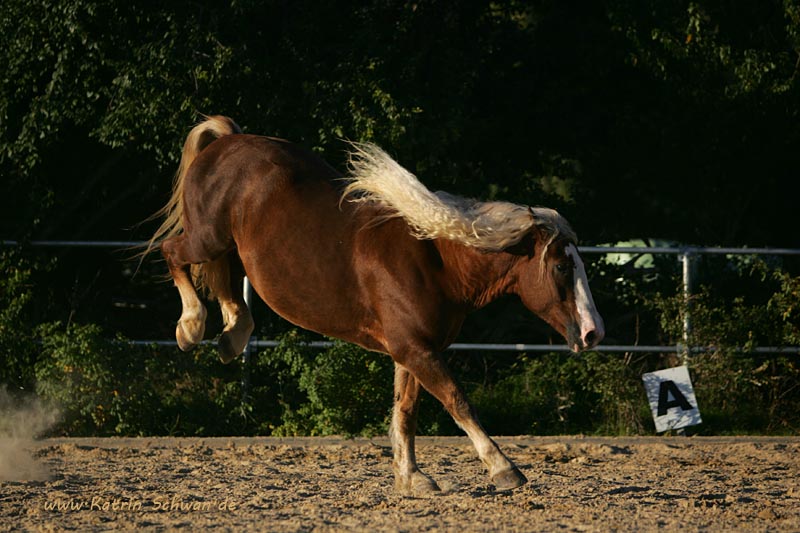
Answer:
x=374 y=258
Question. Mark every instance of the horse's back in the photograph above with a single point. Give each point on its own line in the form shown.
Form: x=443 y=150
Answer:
x=253 y=158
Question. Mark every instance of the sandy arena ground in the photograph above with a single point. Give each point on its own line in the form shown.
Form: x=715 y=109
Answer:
x=332 y=484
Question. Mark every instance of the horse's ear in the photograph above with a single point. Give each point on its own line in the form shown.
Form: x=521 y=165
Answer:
x=525 y=247
x=527 y=244
x=535 y=231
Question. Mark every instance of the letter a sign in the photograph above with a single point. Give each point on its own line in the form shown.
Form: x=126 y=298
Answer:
x=672 y=398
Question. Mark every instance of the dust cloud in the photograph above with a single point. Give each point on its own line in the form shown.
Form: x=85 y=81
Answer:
x=22 y=420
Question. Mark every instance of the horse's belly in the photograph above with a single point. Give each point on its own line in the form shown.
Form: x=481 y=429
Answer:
x=305 y=300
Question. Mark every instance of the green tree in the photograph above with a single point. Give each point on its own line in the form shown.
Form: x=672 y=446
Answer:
x=672 y=111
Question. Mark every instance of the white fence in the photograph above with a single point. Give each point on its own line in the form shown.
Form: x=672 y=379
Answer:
x=684 y=254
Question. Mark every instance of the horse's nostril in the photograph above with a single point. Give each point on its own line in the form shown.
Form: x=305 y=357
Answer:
x=589 y=338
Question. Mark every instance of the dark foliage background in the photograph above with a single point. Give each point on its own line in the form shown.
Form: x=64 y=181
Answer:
x=647 y=118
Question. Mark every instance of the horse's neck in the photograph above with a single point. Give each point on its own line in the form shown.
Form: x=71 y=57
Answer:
x=473 y=277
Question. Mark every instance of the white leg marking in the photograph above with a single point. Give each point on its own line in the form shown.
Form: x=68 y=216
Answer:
x=489 y=453
x=192 y=324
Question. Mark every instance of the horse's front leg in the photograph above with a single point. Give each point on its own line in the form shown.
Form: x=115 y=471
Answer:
x=408 y=477
x=430 y=370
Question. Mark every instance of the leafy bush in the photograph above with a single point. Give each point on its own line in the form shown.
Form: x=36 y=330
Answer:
x=17 y=343
x=561 y=393
x=340 y=390
x=109 y=387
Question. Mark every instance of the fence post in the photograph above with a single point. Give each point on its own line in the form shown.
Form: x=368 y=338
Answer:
x=686 y=257
x=247 y=293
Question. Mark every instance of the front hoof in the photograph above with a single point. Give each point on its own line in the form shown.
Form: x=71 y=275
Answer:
x=509 y=479
x=418 y=483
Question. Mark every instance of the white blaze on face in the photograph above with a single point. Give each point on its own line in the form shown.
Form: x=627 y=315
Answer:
x=591 y=324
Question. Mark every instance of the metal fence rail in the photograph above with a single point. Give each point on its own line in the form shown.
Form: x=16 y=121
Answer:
x=685 y=254
x=509 y=347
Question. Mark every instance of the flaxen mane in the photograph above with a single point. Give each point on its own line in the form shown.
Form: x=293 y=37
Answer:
x=490 y=226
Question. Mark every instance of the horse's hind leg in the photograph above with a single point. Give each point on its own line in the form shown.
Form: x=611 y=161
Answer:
x=408 y=477
x=226 y=285
x=192 y=324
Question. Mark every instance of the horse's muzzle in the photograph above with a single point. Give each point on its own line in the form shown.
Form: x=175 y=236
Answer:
x=586 y=336
x=591 y=336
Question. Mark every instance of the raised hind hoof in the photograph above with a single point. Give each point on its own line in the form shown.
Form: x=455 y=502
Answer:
x=235 y=337
x=509 y=479
x=189 y=333
x=418 y=483
x=226 y=350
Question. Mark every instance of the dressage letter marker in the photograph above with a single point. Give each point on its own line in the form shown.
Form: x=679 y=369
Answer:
x=672 y=398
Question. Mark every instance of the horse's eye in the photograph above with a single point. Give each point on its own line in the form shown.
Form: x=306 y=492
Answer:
x=563 y=268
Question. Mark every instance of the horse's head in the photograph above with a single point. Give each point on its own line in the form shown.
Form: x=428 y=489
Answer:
x=552 y=283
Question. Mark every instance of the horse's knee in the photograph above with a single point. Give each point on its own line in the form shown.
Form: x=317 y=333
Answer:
x=430 y=370
x=460 y=408
x=406 y=401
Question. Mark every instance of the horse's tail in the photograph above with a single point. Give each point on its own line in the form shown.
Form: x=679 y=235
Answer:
x=211 y=129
